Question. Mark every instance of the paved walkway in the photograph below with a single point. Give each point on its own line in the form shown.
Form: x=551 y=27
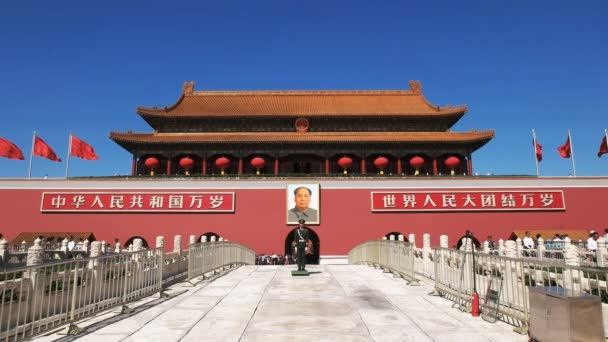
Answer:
x=265 y=303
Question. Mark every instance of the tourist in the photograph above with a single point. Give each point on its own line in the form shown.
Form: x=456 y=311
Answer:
x=605 y=234
x=302 y=210
x=528 y=242
x=592 y=241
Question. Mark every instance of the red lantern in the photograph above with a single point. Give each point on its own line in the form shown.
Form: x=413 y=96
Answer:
x=186 y=163
x=258 y=163
x=452 y=163
x=381 y=163
x=345 y=162
x=416 y=162
x=222 y=162
x=151 y=163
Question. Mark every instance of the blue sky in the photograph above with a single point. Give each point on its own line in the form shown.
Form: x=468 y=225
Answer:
x=85 y=66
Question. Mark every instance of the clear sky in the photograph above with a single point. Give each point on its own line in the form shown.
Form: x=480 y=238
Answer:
x=85 y=66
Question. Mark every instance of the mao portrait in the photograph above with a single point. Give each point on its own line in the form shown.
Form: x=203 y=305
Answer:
x=303 y=203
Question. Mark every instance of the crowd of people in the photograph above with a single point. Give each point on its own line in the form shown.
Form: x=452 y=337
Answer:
x=274 y=259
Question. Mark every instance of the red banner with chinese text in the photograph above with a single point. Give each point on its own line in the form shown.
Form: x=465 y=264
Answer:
x=138 y=202
x=468 y=200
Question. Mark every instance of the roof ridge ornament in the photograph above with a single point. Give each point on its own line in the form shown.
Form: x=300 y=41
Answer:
x=188 y=88
x=416 y=87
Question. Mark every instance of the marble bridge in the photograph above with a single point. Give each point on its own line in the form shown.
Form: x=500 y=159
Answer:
x=265 y=303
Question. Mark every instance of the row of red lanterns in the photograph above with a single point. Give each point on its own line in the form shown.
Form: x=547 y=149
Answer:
x=258 y=163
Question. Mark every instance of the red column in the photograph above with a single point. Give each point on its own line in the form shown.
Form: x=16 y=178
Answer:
x=204 y=166
x=276 y=166
x=399 y=167
x=169 y=167
x=362 y=166
x=434 y=166
x=469 y=165
x=326 y=166
x=134 y=166
x=240 y=166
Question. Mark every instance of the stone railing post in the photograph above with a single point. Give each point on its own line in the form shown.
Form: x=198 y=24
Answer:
x=519 y=248
x=384 y=238
x=192 y=239
x=117 y=247
x=391 y=237
x=85 y=247
x=204 y=238
x=401 y=237
x=177 y=244
x=510 y=249
x=501 y=247
x=137 y=245
x=104 y=247
x=35 y=254
x=212 y=238
x=572 y=258
x=426 y=254
x=160 y=242
x=541 y=248
x=444 y=241
x=412 y=239
x=95 y=252
x=3 y=252
x=221 y=239
x=486 y=247
x=600 y=254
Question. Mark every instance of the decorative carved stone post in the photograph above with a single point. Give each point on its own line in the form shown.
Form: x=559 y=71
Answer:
x=221 y=239
x=103 y=247
x=391 y=237
x=95 y=252
x=204 y=238
x=412 y=239
x=177 y=244
x=137 y=245
x=519 y=248
x=600 y=254
x=212 y=239
x=384 y=238
x=85 y=247
x=35 y=254
x=192 y=239
x=572 y=258
x=160 y=241
x=117 y=247
x=444 y=241
x=3 y=252
x=401 y=237
x=426 y=253
x=501 y=247
x=486 y=247
x=540 y=249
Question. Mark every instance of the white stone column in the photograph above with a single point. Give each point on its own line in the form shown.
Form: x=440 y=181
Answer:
x=212 y=238
x=571 y=253
x=600 y=254
x=95 y=252
x=3 y=251
x=541 y=248
x=117 y=247
x=192 y=239
x=426 y=253
x=401 y=237
x=391 y=237
x=519 y=248
x=160 y=241
x=137 y=245
x=221 y=239
x=384 y=238
x=85 y=247
x=412 y=239
x=177 y=244
x=204 y=238
x=444 y=242
x=486 y=247
x=35 y=254
x=501 y=247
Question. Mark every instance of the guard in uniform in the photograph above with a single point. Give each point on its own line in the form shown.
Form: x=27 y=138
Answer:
x=300 y=241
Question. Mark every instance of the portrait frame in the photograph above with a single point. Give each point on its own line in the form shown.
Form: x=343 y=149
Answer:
x=293 y=215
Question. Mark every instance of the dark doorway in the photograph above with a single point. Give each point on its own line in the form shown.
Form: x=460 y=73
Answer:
x=396 y=234
x=209 y=235
x=311 y=259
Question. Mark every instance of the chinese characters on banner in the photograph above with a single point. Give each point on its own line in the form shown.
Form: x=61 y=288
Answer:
x=138 y=202
x=468 y=200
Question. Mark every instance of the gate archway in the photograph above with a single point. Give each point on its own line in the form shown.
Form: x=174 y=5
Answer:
x=311 y=259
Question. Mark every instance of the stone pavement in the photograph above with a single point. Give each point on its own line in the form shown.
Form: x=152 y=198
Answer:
x=265 y=303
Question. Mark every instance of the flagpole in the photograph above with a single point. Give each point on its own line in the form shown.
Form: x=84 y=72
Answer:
x=572 y=154
x=535 y=158
x=67 y=159
x=29 y=170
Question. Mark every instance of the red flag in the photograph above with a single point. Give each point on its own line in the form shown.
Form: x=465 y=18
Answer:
x=539 y=150
x=10 y=150
x=81 y=149
x=565 y=150
x=41 y=149
x=603 y=147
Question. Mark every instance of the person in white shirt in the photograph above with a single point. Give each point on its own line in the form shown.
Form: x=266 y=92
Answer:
x=606 y=234
x=592 y=241
x=528 y=242
x=71 y=244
